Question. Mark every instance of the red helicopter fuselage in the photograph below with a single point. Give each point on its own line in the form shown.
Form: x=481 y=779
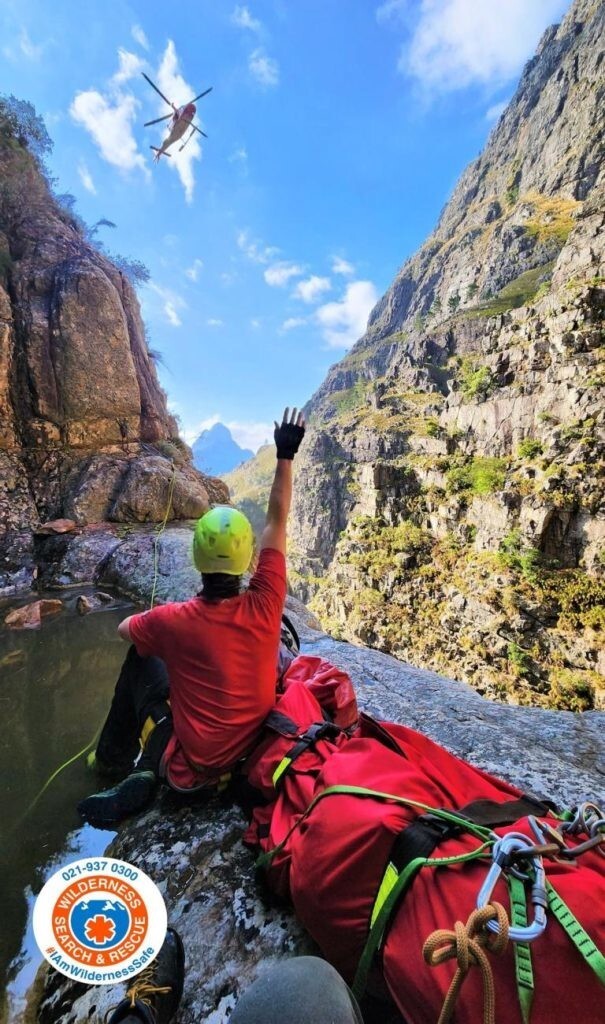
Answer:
x=182 y=118
x=180 y=122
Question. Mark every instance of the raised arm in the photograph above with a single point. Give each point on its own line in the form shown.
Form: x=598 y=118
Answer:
x=287 y=436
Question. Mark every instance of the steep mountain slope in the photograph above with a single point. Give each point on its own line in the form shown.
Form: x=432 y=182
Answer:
x=84 y=428
x=452 y=512
x=249 y=486
x=216 y=452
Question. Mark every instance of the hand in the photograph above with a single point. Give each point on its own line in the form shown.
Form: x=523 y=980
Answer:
x=289 y=435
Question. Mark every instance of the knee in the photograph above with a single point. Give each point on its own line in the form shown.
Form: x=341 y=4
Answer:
x=301 y=990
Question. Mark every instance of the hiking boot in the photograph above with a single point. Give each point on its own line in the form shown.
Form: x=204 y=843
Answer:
x=154 y=995
x=103 y=810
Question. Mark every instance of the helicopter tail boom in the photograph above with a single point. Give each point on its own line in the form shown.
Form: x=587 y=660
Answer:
x=159 y=152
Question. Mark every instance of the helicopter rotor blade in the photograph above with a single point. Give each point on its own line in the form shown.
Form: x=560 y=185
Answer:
x=195 y=127
x=147 y=79
x=202 y=94
x=157 y=120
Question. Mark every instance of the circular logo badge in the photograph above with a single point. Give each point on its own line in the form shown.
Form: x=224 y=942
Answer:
x=100 y=921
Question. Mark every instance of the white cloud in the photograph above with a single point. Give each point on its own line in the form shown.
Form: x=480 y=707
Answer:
x=255 y=324
x=251 y=434
x=344 y=322
x=264 y=69
x=456 y=43
x=255 y=251
x=109 y=120
x=311 y=289
x=391 y=9
x=213 y=321
x=172 y=302
x=242 y=18
x=174 y=86
x=279 y=274
x=139 y=36
x=494 y=112
x=172 y=315
x=248 y=433
x=292 y=322
x=86 y=178
x=130 y=64
x=33 y=51
x=193 y=271
x=340 y=266
x=239 y=156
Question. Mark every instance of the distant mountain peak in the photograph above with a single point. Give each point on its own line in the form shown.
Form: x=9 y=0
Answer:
x=217 y=451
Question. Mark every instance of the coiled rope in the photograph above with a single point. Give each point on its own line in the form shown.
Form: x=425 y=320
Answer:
x=466 y=943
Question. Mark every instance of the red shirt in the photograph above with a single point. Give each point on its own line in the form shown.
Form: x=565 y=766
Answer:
x=221 y=658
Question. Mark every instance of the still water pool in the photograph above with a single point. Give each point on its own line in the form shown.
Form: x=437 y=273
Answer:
x=55 y=684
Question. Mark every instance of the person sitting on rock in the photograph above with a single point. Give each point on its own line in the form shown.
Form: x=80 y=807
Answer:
x=201 y=675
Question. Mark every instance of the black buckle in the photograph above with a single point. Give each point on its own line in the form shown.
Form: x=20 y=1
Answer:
x=441 y=827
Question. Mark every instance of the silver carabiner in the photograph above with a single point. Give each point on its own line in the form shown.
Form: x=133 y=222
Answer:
x=583 y=816
x=508 y=844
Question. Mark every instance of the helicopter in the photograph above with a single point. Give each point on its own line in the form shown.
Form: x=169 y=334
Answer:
x=181 y=120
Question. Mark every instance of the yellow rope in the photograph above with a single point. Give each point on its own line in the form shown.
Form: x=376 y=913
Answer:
x=159 y=533
x=465 y=943
x=50 y=780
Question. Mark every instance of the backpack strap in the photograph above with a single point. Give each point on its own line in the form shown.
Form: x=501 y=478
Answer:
x=493 y=814
x=289 y=635
x=315 y=732
x=280 y=723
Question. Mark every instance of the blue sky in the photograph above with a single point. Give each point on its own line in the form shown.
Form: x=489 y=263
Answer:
x=337 y=130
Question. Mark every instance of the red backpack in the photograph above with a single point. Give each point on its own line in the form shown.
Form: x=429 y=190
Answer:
x=381 y=837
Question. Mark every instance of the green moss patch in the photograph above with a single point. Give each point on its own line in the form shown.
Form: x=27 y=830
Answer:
x=481 y=475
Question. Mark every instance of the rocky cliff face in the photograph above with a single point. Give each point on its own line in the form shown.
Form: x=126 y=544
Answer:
x=452 y=511
x=84 y=428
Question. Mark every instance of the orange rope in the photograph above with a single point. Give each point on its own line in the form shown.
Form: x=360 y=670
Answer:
x=466 y=944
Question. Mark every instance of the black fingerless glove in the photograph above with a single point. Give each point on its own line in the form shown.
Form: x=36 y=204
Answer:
x=288 y=438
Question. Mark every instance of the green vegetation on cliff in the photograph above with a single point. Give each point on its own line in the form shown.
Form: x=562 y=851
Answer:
x=249 y=486
x=441 y=603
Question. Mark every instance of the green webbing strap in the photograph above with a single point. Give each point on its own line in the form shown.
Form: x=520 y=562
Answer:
x=380 y=919
x=477 y=830
x=524 y=973
x=282 y=767
x=581 y=939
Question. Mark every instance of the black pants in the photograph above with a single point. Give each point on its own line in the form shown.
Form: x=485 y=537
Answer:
x=141 y=693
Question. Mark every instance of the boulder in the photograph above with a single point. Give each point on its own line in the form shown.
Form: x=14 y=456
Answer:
x=56 y=526
x=92 y=485
x=18 y=570
x=131 y=567
x=153 y=488
x=75 y=558
x=86 y=603
x=30 y=616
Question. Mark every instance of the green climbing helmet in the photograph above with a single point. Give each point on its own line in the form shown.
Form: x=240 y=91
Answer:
x=223 y=541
